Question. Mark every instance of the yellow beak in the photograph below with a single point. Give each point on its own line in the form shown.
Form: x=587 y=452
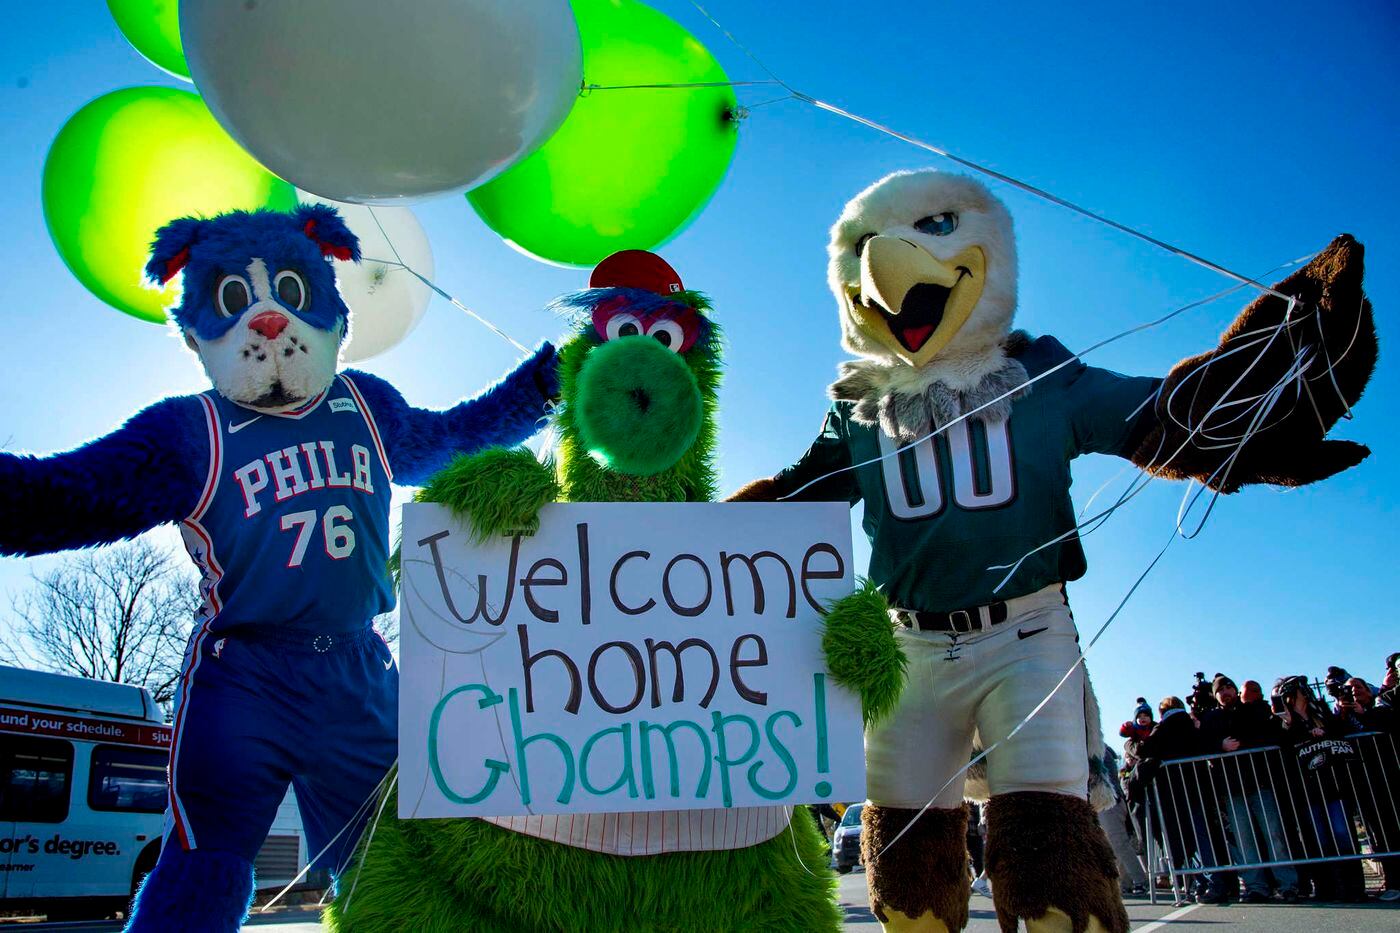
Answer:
x=913 y=302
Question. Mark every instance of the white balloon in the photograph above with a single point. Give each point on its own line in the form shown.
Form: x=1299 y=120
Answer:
x=385 y=301
x=384 y=101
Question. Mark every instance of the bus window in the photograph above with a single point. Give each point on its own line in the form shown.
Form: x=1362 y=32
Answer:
x=127 y=779
x=34 y=778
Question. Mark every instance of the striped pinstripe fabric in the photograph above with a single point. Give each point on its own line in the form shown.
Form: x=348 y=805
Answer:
x=654 y=832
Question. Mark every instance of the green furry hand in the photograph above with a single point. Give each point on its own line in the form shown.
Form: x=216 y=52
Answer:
x=497 y=491
x=862 y=653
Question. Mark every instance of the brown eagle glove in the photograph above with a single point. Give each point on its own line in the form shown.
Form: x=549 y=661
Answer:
x=1208 y=402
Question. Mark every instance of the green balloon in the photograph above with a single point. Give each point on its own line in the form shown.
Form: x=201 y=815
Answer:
x=127 y=163
x=628 y=169
x=153 y=28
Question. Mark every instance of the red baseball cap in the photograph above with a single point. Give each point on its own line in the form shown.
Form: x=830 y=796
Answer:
x=636 y=268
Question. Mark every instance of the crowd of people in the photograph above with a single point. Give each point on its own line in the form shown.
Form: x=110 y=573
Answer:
x=1260 y=796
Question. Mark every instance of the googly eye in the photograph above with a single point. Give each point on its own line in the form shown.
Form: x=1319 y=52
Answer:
x=938 y=224
x=290 y=288
x=232 y=295
x=670 y=334
x=623 y=325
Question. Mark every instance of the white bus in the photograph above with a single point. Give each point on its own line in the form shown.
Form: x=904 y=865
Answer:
x=82 y=796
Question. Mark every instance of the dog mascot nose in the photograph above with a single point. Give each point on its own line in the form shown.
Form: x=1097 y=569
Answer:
x=269 y=324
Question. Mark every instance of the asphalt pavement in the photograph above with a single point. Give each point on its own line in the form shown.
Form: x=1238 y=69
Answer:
x=1372 y=917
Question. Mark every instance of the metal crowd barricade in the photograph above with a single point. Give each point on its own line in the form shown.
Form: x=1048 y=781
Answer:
x=1264 y=808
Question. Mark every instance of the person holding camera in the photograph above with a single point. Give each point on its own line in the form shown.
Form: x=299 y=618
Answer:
x=1201 y=699
x=1252 y=809
x=1320 y=752
x=1335 y=683
x=1389 y=693
x=1188 y=825
x=1359 y=711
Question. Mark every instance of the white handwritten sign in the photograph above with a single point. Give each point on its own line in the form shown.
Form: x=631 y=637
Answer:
x=627 y=657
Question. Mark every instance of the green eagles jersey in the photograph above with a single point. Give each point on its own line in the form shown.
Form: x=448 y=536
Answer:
x=940 y=513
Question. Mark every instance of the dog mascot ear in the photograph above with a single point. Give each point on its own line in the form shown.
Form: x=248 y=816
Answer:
x=324 y=226
x=170 y=252
x=321 y=223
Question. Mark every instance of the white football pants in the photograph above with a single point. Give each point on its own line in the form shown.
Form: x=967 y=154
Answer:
x=985 y=682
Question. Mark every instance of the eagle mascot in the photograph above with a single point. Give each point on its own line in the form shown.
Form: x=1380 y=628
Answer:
x=958 y=432
x=278 y=477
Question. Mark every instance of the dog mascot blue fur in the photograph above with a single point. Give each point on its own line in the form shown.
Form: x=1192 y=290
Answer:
x=279 y=478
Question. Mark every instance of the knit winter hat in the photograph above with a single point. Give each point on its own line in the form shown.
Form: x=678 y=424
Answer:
x=1221 y=679
x=1142 y=707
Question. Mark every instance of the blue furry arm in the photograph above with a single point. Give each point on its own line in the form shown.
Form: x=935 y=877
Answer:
x=421 y=442
x=148 y=472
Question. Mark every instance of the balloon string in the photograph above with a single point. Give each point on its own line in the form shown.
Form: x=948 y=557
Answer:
x=1078 y=662
x=586 y=88
x=1135 y=329
x=992 y=173
x=361 y=810
x=385 y=234
x=1042 y=194
x=364 y=857
x=1268 y=400
x=398 y=261
x=730 y=36
x=765 y=103
x=461 y=307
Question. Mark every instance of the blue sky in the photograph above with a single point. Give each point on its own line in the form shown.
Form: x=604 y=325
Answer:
x=1250 y=133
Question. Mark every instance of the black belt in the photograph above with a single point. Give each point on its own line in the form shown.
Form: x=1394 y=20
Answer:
x=298 y=639
x=957 y=622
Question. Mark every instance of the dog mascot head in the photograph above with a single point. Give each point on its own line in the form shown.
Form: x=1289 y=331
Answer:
x=260 y=305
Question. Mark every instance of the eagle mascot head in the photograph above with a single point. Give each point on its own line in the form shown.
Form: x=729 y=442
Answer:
x=923 y=268
x=260 y=306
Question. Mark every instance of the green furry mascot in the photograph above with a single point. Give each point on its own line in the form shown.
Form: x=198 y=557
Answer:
x=636 y=423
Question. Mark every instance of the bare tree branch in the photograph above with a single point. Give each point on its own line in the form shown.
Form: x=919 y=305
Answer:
x=120 y=613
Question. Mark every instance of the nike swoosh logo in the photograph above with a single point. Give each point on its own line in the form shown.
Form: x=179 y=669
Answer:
x=389 y=664
x=235 y=428
x=1020 y=633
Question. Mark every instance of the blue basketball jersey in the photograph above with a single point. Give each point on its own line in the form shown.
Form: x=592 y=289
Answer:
x=293 y=523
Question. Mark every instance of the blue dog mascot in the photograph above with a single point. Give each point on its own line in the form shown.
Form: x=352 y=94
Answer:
x=279 y=478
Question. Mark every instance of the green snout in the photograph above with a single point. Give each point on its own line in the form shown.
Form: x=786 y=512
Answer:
x=637 y=407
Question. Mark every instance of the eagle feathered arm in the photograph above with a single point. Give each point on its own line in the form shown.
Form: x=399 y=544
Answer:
x=1208 y=403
